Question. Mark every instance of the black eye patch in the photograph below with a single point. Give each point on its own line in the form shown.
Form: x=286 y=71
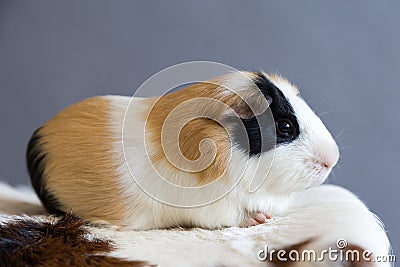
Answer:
x=263 y=131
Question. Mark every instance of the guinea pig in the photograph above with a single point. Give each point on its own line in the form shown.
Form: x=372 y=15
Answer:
x=225 y=152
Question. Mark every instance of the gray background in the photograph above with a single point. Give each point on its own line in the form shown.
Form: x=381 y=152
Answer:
x=344 y=56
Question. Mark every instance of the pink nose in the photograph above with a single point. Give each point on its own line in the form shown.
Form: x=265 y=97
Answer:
x=329 y=154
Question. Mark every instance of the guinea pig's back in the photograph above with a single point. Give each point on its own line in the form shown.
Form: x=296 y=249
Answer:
x=71 y=165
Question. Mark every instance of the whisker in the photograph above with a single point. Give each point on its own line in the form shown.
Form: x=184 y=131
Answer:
x=320 y=103
x=339 y=135
x=333 y=175
x=338 y=165
x=345 y=147
x=325 y=113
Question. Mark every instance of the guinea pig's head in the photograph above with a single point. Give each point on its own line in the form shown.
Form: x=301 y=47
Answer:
x=303 y=151
x=249 y=125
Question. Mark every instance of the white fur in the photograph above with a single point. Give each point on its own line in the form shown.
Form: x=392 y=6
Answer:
x=19 y=200
x=326 y=213
x=289 y=168
x=146 y=212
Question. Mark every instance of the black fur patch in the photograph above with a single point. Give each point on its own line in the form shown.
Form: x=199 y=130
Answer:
x=261 y=133
x=36 y=162
x=29 y=242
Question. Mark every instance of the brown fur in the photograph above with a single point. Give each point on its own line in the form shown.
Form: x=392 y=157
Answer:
x=198 y=129
x=28 y=242
x=80 y=170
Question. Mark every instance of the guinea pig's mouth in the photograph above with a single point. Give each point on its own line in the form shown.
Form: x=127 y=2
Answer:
x=319 y=177
x=318 y=172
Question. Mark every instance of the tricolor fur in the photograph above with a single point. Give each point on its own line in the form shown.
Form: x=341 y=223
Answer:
x=100 y=157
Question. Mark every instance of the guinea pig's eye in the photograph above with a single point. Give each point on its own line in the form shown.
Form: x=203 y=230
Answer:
x=285 y=128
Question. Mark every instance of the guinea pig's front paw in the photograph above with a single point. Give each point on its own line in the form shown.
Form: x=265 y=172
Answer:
x=255 y=218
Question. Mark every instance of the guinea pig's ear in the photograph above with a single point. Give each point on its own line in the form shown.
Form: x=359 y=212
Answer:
x=251 y=105
x=246 y=102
